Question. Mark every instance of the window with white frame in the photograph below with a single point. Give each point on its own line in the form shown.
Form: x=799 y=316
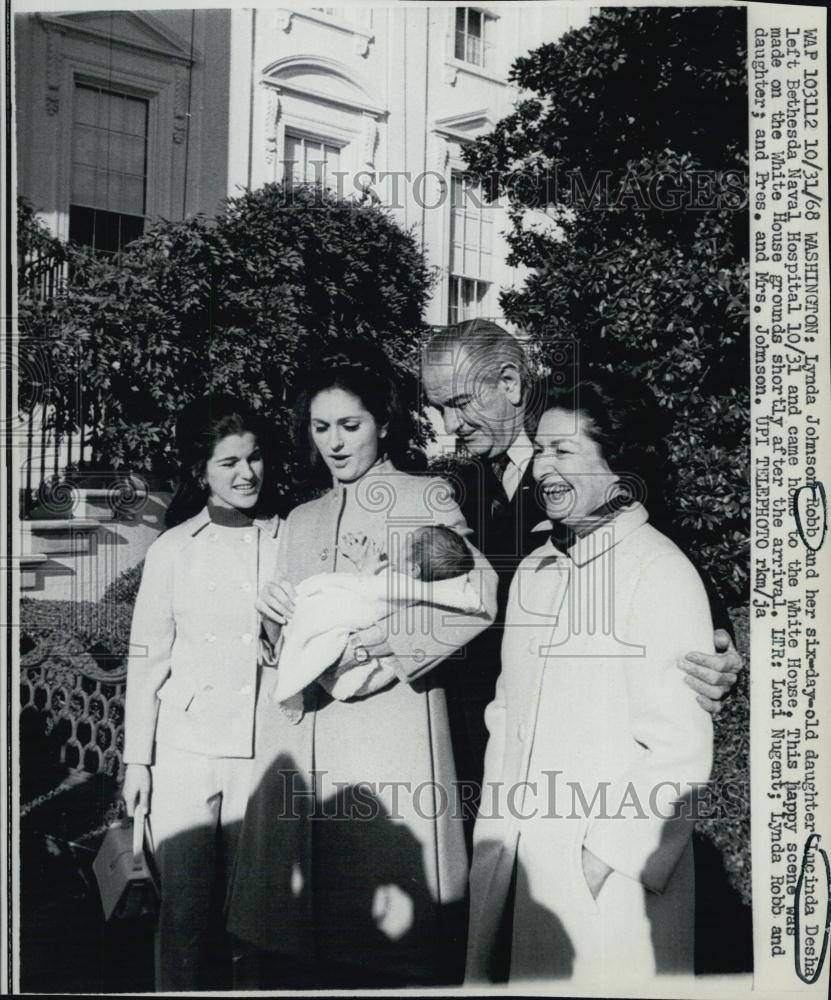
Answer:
x=108 y=174
x=471 y=41
x=310 y=160
x=471 y=249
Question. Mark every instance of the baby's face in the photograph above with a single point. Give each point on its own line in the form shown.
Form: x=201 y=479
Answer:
x=406 y=565
x=411 y=568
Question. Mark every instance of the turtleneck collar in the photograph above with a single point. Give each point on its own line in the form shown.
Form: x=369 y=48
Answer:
x=229 y=517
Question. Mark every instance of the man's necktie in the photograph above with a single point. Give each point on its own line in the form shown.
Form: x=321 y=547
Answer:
x=499 y=499
x=507 y=473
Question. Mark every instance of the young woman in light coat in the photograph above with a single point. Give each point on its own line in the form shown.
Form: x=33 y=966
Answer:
x=582 y=852
x=192 y=673
x=352 y=867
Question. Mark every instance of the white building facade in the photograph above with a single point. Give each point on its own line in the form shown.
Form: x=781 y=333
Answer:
x=123 y=117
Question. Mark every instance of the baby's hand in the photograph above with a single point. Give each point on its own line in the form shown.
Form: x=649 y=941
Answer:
x=353 y=548
x=364 y=553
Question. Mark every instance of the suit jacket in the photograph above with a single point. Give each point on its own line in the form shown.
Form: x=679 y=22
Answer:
x=192 y=669
x=502 y=527
x=503 y=530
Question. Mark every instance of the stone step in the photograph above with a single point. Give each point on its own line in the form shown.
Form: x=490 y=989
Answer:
x=87 y=554
x=53 y=536
x=96 y=503
x=29 y=565
x=77 y=504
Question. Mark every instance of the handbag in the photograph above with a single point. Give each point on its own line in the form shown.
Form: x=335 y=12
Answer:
x=126 y=882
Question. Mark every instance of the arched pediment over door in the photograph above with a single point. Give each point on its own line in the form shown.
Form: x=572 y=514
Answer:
x=319 y=111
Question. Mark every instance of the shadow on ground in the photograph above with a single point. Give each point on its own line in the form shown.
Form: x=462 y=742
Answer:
x=66 y=947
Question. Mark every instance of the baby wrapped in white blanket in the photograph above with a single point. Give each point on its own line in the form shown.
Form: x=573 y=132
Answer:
x=330 y=606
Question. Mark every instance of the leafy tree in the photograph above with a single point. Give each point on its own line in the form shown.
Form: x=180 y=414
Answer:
x=235 y=304
x=624 y=169
x=41 y=263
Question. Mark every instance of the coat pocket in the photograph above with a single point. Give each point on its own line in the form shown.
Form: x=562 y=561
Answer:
x=177 y=692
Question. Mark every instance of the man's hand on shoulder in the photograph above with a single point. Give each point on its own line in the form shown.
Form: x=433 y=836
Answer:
x=713 y=675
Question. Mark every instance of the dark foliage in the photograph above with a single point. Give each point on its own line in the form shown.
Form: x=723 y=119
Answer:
x=642 y=110
x=69 y=630
x=725 y=820
x=123 y=590
x=237 y=305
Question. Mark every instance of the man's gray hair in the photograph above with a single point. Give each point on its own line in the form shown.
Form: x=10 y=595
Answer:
x=488 y=345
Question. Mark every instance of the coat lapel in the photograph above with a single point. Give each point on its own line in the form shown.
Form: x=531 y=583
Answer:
x=525 y=511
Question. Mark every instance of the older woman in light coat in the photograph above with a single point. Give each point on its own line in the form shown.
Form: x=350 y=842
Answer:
x=352 y=867
x=582 y=856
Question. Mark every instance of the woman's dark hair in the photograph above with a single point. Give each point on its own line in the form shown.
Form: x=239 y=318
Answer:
x=624 y=418
x=363 y=371
x=200 y=426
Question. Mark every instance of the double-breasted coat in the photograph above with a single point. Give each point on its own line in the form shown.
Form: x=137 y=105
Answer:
x=191 y=694
x=192 y=671
x=594 y=740
x=352 y=849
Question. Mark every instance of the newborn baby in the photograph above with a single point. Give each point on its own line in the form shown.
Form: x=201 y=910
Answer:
x=434 y=569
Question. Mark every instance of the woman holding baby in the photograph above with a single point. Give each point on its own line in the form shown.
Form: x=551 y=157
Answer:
x=351 y=869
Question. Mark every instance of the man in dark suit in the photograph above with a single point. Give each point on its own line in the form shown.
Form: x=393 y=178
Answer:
x=477 y=375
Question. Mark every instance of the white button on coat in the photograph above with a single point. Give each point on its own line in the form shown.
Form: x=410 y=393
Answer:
x=197 y=571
